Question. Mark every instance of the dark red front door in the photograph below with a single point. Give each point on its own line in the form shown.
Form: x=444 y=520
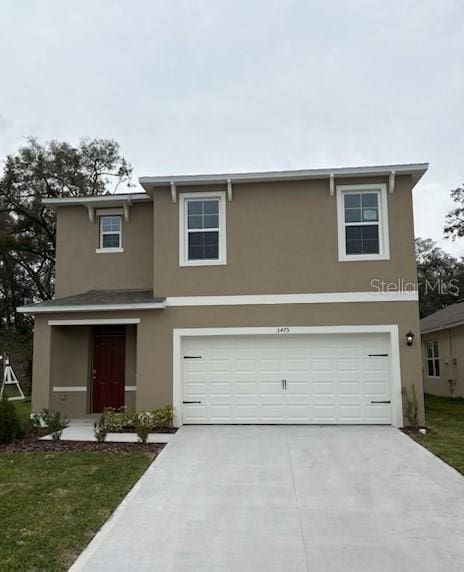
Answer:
x=108 y=371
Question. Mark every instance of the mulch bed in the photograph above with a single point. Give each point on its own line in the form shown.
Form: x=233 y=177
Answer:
x=130 y=429
x=36 y=445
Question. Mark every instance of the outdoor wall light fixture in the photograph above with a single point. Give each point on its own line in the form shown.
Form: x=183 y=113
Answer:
x=410 y=338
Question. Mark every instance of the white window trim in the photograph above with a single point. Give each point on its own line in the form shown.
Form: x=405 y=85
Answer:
x=183 y=234
x=108 y=250
x=384 y=240
x=432 y=359
x=111 y=249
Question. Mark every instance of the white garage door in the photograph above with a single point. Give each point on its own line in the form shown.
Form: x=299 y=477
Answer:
x=341 y=378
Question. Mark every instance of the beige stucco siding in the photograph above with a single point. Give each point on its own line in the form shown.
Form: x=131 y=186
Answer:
x=80 y=268
x=154 y=357
x=281 y=238
x=70 y=368
x=451 y=356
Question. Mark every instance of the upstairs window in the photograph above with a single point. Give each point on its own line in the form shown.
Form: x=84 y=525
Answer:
x=433 y=360
x=202 y=223
x=110 y=233
x=362 y=222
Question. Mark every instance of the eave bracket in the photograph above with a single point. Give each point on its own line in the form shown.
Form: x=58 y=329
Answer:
x=332 y=184
x=391 y=182
x=91 y=211
x=229 y=189
x=173 y=192
x=125 y=206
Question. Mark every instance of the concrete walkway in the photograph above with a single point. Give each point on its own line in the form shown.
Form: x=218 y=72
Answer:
x=287 y=499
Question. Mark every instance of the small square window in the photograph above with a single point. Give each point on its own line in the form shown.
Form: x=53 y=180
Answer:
x=110 y=232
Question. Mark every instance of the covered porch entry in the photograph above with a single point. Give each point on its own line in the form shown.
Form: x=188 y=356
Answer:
x=93 y=365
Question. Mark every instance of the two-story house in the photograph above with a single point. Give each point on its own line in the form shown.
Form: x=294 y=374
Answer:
x=273 y=297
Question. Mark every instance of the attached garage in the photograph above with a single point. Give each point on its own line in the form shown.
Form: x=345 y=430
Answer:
x=295 y=376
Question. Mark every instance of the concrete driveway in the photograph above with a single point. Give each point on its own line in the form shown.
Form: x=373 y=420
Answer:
x=287 y=499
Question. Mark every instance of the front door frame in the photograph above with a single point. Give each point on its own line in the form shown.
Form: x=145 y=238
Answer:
x=394 y=358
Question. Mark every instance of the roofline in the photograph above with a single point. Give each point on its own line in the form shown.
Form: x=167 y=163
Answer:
x=417 y=170
x=91 y=308
x=441 y=328
x=115 y=199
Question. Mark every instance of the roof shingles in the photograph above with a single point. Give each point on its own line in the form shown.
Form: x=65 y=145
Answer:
x=99 y=298
x=448 y=317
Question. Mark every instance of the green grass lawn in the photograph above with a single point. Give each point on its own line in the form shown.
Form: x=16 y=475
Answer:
x=23 y=406
x=445 y=423
x=52 y=503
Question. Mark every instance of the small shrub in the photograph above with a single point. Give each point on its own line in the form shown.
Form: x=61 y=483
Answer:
x=100 y=430
x=143 y=426
x=162 y=417
x=10 y=423
x=411 y=408
x=55 y=421
x=29 y=427
x=117 y=420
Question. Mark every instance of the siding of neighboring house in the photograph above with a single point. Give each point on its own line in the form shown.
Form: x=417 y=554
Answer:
x=80 y=268
x=451 y=358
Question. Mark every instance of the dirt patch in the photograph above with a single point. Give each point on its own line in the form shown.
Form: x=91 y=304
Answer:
x=36 y=445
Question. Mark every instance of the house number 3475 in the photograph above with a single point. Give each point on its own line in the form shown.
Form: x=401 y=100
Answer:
x=283 y=330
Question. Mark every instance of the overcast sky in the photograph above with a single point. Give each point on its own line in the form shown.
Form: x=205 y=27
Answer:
x=245 y=85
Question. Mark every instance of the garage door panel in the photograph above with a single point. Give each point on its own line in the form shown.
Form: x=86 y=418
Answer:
x=378 y=413
x=374 y=364
x=329 y=379
x=321 y=389
x=349 y=388
x=348 y=364
x=350 y=413
x=324 y=413
x=220 y=388
x=246 y=387
x=194 y=388
x=298 y=413
x=375 y=388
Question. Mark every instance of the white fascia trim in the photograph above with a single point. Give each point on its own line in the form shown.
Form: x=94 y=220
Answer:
x=95 y=322
x=69 y=388
x=183 y=233
x=92 y=308
x=384 y=235
x=417 y=170
x=316 y=298
x=390 y=329
x=104 y=200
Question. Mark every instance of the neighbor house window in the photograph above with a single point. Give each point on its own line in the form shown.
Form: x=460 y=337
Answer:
x=362 y=222
x=110 y=233
x=202 y=224
x=433 y=359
